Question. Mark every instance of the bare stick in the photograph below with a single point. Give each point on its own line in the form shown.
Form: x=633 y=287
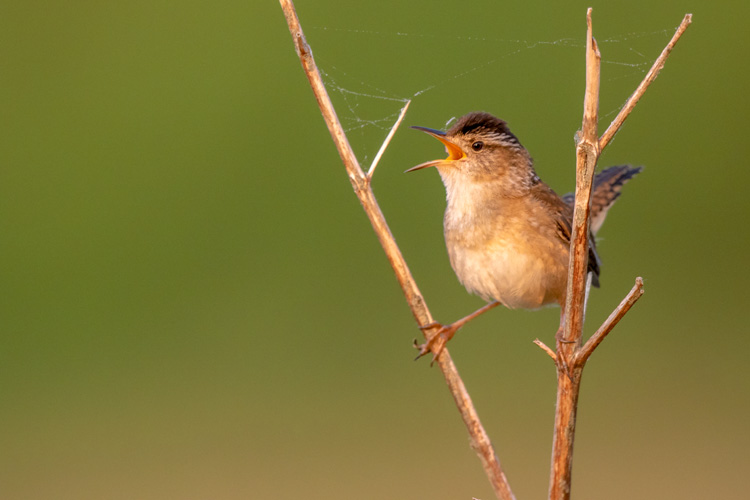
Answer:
x=546 y=349
x=568 y=380
x=650 y=77
x=387 y=140
x=586 y=156
x=479 y=439
x=588 y=348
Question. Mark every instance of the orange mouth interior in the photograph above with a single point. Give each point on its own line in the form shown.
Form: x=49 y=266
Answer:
x=454 y=152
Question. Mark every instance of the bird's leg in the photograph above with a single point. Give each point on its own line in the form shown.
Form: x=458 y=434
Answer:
x=444 y=333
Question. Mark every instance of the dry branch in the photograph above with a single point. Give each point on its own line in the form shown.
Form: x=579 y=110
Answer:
x=630 y=299
x=588 y=149
x=586 y=155
x=641 y=89
x=546 y=349
x=569 y=378
x=361 y=183
x=387 y=140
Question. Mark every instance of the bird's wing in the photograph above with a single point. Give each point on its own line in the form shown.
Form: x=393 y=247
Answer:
x=606 y=189
x=562 y=211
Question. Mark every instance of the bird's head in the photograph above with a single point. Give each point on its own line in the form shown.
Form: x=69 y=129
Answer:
x=481 y=148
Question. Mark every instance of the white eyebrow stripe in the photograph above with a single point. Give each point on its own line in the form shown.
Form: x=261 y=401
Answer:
x=503 y=139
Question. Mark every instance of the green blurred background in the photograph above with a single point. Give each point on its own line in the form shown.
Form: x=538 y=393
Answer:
x=194 y=304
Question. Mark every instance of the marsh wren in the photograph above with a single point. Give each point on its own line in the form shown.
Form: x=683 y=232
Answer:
x=507 y=232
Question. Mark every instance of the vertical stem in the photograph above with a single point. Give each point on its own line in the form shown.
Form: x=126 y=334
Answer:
x=568 y=388
x=587 y=153
x=569 y=375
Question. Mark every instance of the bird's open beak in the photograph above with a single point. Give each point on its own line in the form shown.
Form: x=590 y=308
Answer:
x=454 y=152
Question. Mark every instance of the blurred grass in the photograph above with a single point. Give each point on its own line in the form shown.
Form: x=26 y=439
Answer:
x=194 y=305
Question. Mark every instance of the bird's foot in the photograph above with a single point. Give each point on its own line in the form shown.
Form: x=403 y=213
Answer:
x=437 y=342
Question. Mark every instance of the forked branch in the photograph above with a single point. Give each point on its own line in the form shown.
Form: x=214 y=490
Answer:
x=588 y=149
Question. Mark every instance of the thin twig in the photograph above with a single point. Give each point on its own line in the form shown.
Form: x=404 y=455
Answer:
x=479 y=439
x=588 y=348
x=387 y=140
x=546 y=349
x=650 y=77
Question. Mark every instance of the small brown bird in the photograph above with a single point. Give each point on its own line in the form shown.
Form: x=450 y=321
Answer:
x=507 y=232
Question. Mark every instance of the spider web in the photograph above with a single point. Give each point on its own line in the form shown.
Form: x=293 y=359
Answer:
x=368 y=106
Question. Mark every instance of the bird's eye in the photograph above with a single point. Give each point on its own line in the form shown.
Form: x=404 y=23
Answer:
x=477 y=146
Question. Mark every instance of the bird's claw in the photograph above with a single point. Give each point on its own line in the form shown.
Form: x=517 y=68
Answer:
x=436 y=343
